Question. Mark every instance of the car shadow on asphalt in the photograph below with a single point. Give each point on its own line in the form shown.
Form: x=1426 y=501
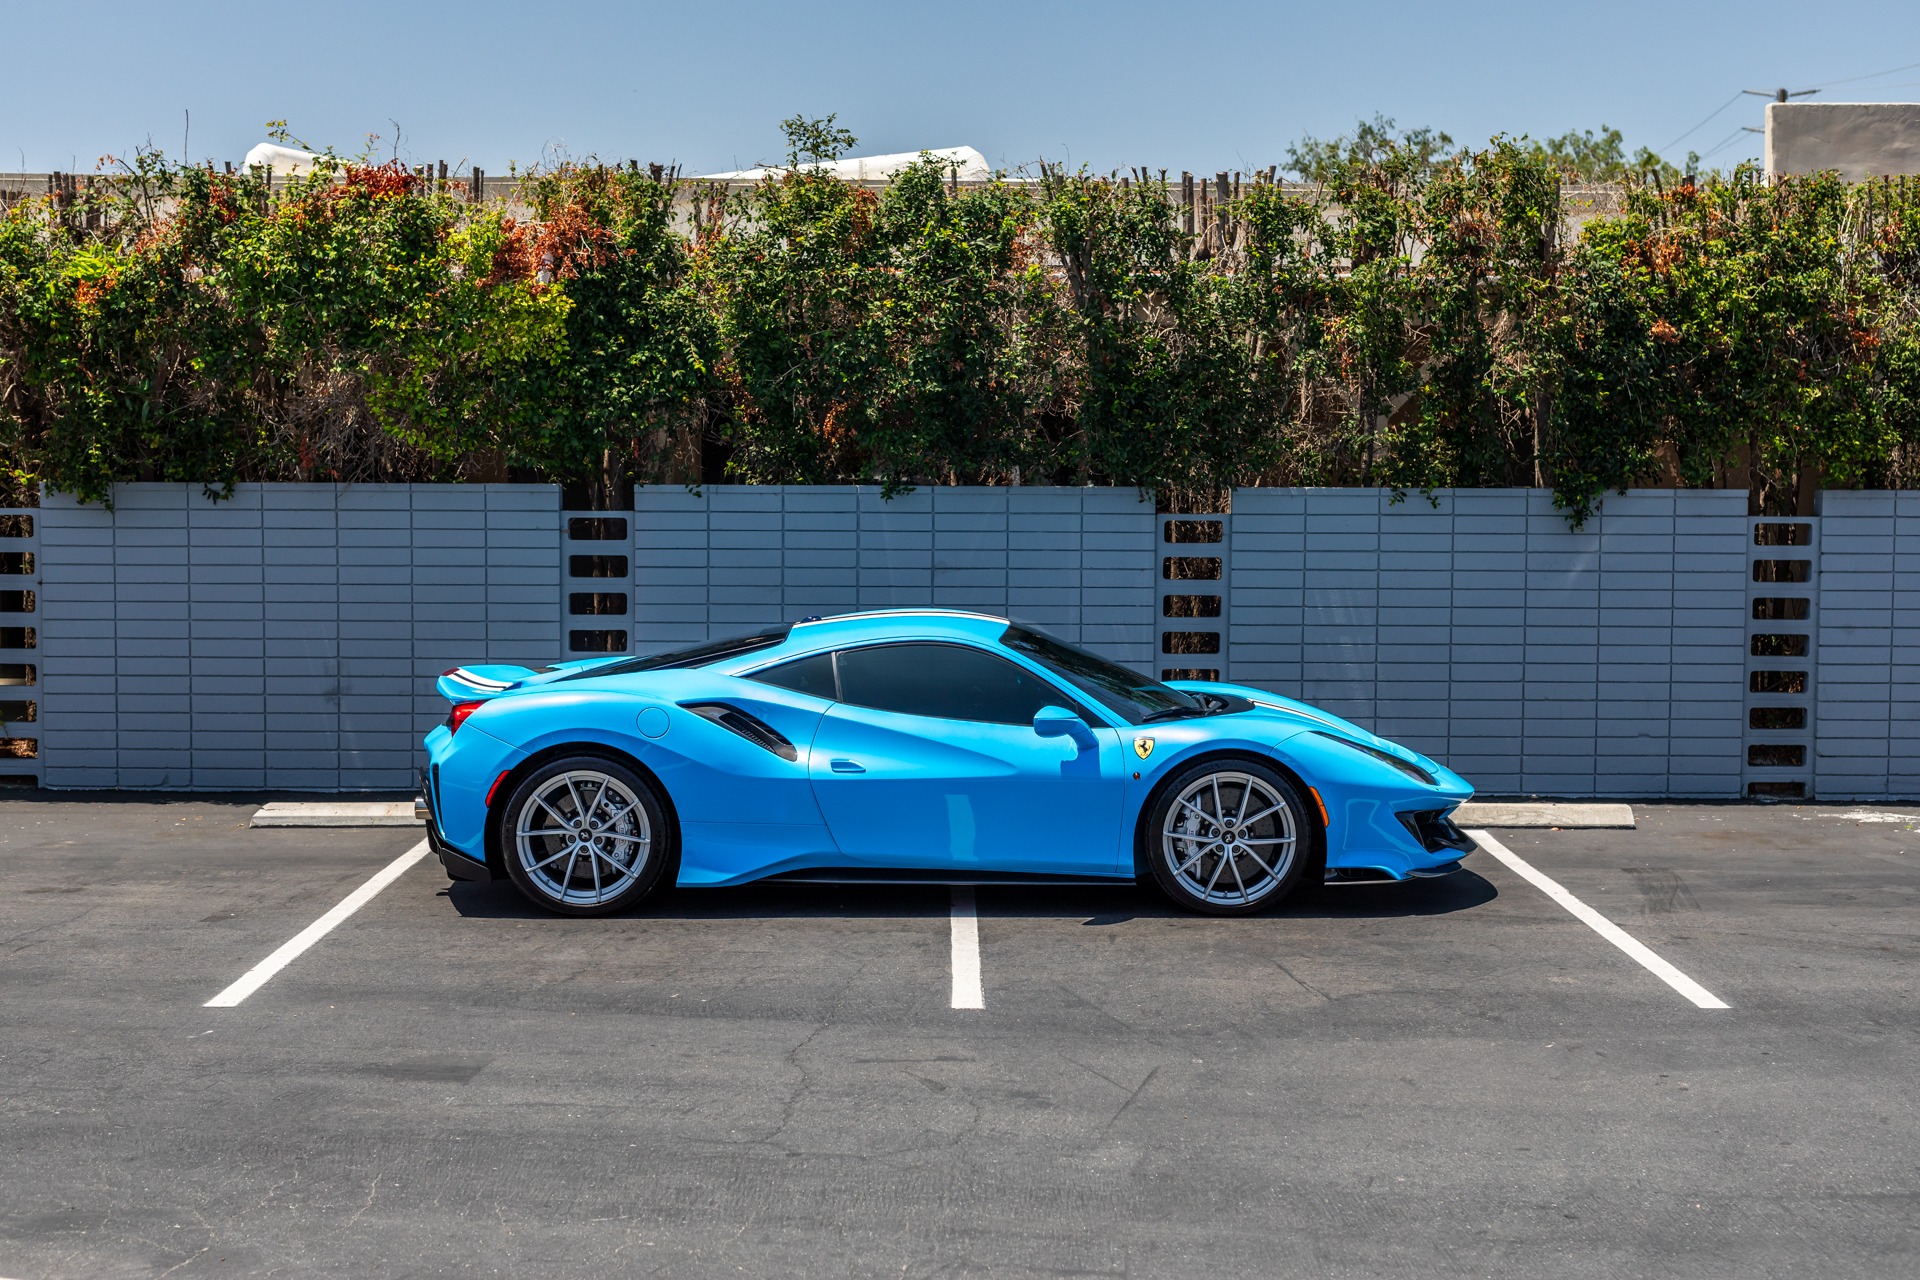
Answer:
x=501 y=901
x=1461 y=891
x=1095 y=905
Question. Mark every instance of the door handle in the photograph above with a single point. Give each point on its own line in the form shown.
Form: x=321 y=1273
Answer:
x=846 y=766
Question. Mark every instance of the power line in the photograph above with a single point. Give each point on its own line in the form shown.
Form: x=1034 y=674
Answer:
x=1783 y=95
x=1710 y=115
x=1872 y=76
x=1719 y=146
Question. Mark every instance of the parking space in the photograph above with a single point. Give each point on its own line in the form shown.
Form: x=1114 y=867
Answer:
x=1447 y=1078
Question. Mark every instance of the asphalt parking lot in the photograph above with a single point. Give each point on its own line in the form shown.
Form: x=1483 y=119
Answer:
x=1450 y=1078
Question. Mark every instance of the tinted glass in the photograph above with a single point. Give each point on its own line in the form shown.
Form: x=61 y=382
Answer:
x=944 y=680
x=698 y=656
x=812 y=676
x=1133 y=696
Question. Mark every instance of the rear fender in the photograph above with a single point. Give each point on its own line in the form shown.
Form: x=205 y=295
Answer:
x=495 y=857
x=714 y=775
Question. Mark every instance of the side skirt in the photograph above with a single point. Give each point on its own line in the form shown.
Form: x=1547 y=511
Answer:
x=863 y=875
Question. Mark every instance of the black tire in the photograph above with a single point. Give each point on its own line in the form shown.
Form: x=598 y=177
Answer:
x=1186 y=848
x=628 y=841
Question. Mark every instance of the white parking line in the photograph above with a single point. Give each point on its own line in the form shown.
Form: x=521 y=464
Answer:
x=255 y=978
x=1606 y=928
x=966 y=952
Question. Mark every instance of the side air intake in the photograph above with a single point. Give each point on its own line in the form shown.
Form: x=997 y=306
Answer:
x=751 y=727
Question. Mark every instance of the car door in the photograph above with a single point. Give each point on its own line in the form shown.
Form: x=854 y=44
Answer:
x=929 y=760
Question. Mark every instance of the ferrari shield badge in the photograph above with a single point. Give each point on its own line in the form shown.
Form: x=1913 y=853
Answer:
x=1143 y=747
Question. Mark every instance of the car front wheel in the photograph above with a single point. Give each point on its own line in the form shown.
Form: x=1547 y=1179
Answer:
x=1228 y=837
x=585 y=836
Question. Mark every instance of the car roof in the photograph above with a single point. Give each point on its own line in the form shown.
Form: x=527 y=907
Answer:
x=880 y=624
x=807 y=636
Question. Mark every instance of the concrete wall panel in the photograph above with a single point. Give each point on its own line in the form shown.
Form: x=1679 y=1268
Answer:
x=1482 y=630
x=289 y=638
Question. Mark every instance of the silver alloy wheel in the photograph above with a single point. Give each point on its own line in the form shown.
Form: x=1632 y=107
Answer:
x=583 y=838
x=1229 y=839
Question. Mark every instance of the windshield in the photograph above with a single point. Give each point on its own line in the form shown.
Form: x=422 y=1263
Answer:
x=1131 y=696
x=699 y=656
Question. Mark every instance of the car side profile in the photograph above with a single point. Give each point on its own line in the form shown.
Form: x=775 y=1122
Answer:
x=914 y=746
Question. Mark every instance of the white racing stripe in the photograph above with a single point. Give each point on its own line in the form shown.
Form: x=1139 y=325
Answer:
x=255 y=978
x=1606 y=928
x=966 y=952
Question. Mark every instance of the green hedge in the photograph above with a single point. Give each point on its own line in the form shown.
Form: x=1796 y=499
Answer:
x=1414 y=321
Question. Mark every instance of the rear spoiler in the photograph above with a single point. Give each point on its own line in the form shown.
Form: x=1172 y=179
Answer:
x=467 y=684
x=486 y=680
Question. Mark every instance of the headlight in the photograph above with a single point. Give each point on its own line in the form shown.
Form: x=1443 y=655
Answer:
x=1407 y=767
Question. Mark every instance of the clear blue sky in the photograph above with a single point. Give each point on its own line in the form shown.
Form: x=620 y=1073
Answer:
x=1199 y=87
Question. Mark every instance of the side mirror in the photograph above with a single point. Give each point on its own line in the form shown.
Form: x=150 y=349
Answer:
x=1058 y=722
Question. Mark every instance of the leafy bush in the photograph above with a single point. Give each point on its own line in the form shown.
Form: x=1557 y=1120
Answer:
x=1417 y=317
x=1773 y=324
x=353 y=327
x=879 y=337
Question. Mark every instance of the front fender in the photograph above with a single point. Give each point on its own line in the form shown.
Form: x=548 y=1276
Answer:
x=1363 y=798
x=1174 y=746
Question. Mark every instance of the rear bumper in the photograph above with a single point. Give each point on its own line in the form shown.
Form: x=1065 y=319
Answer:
x=459 y=776
x=458 y=865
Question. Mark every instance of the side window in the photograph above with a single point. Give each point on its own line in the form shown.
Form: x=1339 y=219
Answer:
x=948 y=681
x=813 y=676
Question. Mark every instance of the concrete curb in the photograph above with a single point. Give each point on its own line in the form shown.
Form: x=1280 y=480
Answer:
x=1485 y=813
x=335 y=813
x=1538 y=813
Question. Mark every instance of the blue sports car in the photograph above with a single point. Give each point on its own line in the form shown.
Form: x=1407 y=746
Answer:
x=917 y=745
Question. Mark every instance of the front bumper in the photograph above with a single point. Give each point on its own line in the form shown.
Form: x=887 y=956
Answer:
x=1374 y=875
x=1382 y=824
x=1394 y=837
x=1435 y=830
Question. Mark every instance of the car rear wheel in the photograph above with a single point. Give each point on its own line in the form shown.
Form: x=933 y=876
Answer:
x=1228 y=837
x=585 y=836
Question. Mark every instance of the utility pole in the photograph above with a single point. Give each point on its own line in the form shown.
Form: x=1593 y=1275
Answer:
x=1778 y=95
